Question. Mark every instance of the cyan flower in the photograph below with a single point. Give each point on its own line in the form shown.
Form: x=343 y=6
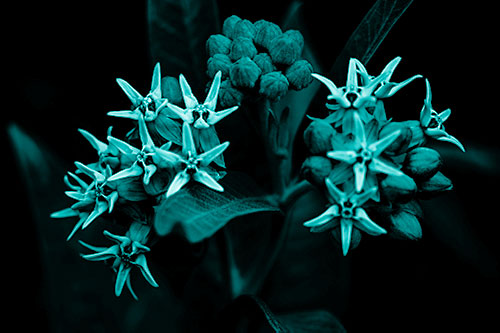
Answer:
x=364 y=154
x=193 y=166
x=108 y=153
x=386 y=88
x=432 y=122
x=128 y=252
x=200 y=115
x=345 y=211
x=149 y=106
x=146 y=160
x=93 y=199
x=351 y=97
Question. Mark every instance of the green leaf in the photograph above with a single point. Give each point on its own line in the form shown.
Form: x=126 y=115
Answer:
x=168 y=128
x=201 y=212
x=178 y=31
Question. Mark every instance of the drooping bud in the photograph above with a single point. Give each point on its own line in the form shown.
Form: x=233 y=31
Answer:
x=243 y=28
x=242 y=47
x=273 y=85
x=400 y=145
x=401 y=188
x=229 y=96
x=228 y=25
x=405 y=225
x=318 y=136
x=435 y=185
x=315 y=169
x=284 y=49
x=171 y=90
x=218 y=44
x=299 y=74
x=417 y=133
x=244 y=73
x=219 y=62
x=265 y=32
x=263 y=60
x=422 y=163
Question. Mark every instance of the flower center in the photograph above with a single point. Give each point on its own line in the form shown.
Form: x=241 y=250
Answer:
x=192 y=164
x=347 y=209
x=200 y=111
x=148 y=108
x=364 y=156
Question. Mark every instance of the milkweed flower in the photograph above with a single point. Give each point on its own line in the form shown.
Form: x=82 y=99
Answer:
x=149 y=106
x=128 y=252
x=347 y=213
x=108 y=153
x=432 y=121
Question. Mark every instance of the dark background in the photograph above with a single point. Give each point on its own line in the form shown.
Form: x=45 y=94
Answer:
x=63 y=59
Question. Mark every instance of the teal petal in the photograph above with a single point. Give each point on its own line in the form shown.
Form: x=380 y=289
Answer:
x=452 y=139
x=214 y=117
x=108 y=253
x=425 y=113
x=201 y=176
x=379 y=146
x=99 y=209
x=358 y=129
x=144 y=133
x=164 y=158
x=347 y=156
x=129 y=286
x=131 y=93
x=100 y=146
x=352 y=76
x=181 y=113
x=211 y=100
x=143 y=265
x=377 y=165
x=364 y=223
x=80 y=182
x=64 y=213
x=78 y=225
x=324 y=218
x=134 y=171
x=112 y=198
x=75 y=195
x=336 y=194
x=200 y=123
x=92 y=247
x=149 y=171
x=189 y=99
x=123 y=146
x=156 y=82
x=345 y=234
x=188 y=146
x=443 y=116
x=90 y=172
x=359 y=175
x=390 y=67
x=121 y=278
x=208 y=140
x=360 y=198
x=116 y=238
x=207 y=157
x=180 y=179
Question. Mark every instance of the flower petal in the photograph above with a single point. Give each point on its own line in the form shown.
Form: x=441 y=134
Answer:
x=90 y=172
x=452 y=139
x=129 y=286
x=425 y=113
x=188 y=146
x=352 y=76
x=177 y=183
x=189 y=99
x=121 y=278
x=77 y=226
x=336 y=92
x=379 y=146
x=100 y=207
x=345 y=234
x=64 y=213
x=182 y=113
x=98 y=145
x=377 y=165
x=336 y=194
x=201 y=176
x=444 y=115
x=123 y=146
x=200 y=123
x=364 y=223
x=108 y=253
x=211 y=100
x=207 y=157
x=116 y=238
x=324 y=218
x=143 y=265
x=125 y=114
x=148 y=172
x=214 y=117
x=390 y=67
x=131 y=93
x=144 y=133
x=164 y=158
x=156 y=82
x=359 y=175
x=134 y=171
x=347 y=156
x=112 y=198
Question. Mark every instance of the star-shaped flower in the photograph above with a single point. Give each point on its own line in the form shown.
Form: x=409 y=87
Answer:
x=128 y=252
x=192 y=165
x=432 y=122
x=145 y=160
x=93 y=199
x=351 y=97
x=108 y=153
x=345 y=211
x=148 y=106
x=200 y=115
x=364 y=155
x=386 y=88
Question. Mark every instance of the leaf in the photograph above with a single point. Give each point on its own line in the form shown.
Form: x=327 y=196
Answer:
x=178 y=31
x=201 y=212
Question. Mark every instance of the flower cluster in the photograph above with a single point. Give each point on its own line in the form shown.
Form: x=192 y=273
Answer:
x=168 y=147
x=257 y=59
x=373 y=169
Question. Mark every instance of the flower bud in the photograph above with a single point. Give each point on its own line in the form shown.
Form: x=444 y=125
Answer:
x=299 y=74
x=297 y=37
x=422 y=163
x=400 y=145
x=263 y=60
x=242 y=47
x=217 y=44
x=265 y=32
x=318 y=136
x=401 y=188
x=284 y=50
x=228 y=25
x=229 y=96
x=405 y=225
x=171 y=90
x=315 y=169
x=244 y=73
x=273 y=85
x=435 y=185
x=219 y=62
x=243 y=28
x=417 y=133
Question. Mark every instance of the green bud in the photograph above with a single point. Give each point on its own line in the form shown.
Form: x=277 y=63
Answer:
x=315 y=169
x=263 y=60
x=405 y=225
x=422 y=163
x=219 y=62
x=284 y=50
x=417 y=133
x=299 y=74
x=217 y=44
x=435 y=185
x=318 y=136
x=228 y=25
x=400 y=145
x=171 y=90
x=398 y=188
x=242 y=47
x=265 y=32
x=297 y=37
x=243 y=28
x=244 y=73
x=229 y=96
x=273 y=85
